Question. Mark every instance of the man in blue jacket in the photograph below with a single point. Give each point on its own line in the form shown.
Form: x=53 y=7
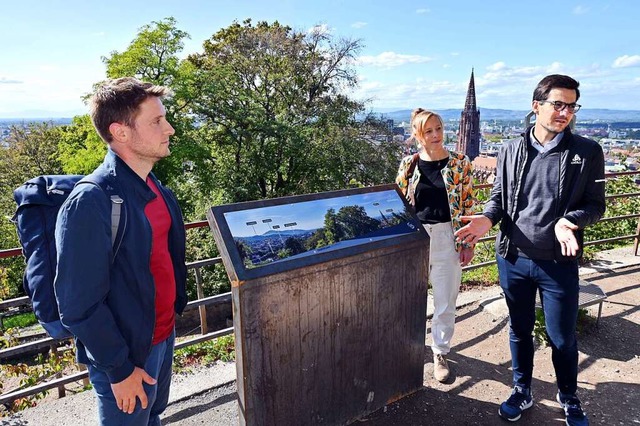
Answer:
x=549 y=186
x=119 y=299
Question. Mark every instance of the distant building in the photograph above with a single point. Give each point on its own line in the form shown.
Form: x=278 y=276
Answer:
x=398 y=130
x=469 y=137
x=484 y=169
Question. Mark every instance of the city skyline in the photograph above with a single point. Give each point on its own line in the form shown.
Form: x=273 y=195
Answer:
x=415 y=53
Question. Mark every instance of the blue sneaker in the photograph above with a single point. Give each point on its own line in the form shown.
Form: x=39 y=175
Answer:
x=574 y=416
x=520 y=400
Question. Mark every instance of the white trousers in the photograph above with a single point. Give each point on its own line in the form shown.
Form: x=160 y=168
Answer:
x=445 y=274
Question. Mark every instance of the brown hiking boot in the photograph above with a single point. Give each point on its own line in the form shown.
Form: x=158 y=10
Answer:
x=440 y=368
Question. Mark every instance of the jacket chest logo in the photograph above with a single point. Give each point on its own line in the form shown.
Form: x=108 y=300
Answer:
x=576 y=160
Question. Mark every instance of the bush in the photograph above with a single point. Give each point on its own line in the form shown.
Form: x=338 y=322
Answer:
x=584 y=324
x=19 y=320
x=206 y=353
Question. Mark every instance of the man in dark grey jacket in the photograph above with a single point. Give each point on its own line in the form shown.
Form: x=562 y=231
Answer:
x=549 y=186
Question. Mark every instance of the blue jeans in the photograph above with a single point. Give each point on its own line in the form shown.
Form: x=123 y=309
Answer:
x=158 y=366
x=558 y=284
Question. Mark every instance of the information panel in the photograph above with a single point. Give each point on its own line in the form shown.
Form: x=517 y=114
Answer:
x=272 y=236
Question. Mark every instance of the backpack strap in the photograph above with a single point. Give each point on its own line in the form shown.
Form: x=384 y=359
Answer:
x=116 y=210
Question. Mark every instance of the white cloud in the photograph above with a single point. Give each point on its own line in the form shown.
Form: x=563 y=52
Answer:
x=392 y=59
x=419 y=92
x=455 y=53
x=422 y=11
x=500 y=74
x=580 y=10
x=626 y=61
x=497 y=66
x=358 y=24
x=5 y=80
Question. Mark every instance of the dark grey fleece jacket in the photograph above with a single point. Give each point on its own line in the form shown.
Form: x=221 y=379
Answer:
x=580 y=194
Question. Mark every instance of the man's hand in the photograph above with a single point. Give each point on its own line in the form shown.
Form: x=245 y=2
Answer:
x=478 y=226
x=127 y=390
x=564 y=233
x=466 y=254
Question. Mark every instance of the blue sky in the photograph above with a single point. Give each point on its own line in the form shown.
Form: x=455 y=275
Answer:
x=416 y=53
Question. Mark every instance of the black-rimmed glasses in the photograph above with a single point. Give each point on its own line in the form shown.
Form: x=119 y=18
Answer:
x=560 y=106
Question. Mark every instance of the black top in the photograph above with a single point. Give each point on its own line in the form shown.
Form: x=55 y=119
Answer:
x=432 y=201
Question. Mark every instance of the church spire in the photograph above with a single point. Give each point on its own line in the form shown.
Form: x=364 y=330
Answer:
x=469 y=134
x=470 y=103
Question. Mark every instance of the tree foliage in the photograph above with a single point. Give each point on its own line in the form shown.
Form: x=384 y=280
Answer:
x=29 y=151
x=348 y=223
x=152 y=55
x=81 y=148
x=272 y=106
x=616 y=207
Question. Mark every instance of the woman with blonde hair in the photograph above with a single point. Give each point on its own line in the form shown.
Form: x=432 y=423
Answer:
x=439 y=185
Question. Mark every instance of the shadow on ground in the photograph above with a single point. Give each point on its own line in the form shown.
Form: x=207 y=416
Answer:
x=609 y=378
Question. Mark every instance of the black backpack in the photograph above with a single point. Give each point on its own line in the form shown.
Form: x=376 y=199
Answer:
x=39 y=200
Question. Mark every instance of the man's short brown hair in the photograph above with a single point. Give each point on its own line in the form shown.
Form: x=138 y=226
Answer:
x=117 y=101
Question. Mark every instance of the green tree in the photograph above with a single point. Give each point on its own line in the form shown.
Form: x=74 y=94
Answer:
x=152 y=55
x=355 y=222
x=273 y=111
x=29 y=151
x=616 y=207
x=332 y=231
x=81 y=148
x=294 y=246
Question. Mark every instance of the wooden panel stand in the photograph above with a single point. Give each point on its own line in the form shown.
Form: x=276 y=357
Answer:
x=329 y=343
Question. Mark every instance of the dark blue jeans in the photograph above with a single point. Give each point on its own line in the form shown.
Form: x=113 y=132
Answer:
x=520 y=279
x=158 y=366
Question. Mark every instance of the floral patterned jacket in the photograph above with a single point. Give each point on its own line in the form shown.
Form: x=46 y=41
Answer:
x=458 y=183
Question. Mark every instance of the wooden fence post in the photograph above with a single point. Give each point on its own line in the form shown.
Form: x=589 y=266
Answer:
x=202 y=309
x=54 y=354
x=636 y=241
x=81 y=367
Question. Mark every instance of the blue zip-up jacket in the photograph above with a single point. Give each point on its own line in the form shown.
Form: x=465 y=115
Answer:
x=105 y=292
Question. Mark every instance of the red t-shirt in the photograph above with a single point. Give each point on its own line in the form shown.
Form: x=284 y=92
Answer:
x=161 y=265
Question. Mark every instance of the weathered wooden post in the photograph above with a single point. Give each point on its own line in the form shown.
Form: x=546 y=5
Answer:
x=328 y=335
x=202 y=310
